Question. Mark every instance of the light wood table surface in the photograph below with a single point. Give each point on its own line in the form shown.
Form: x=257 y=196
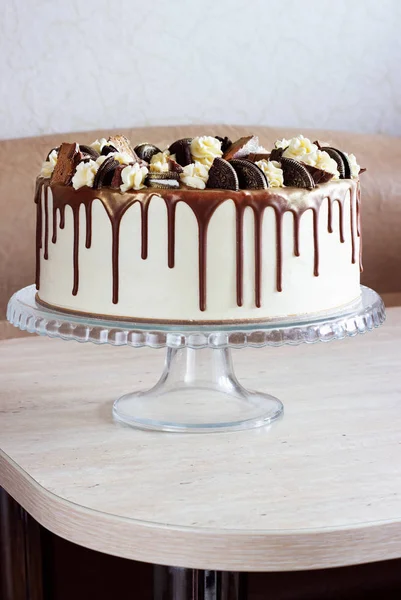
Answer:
x=320 y=488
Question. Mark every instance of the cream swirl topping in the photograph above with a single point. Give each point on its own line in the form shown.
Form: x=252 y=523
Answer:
x=195 y=175
x=49 y=164
x=273 y=172
x=298 y=147
x=133 y=177
x=322 y=160
x=159 y=162
x=205 y=149
x=85 y=174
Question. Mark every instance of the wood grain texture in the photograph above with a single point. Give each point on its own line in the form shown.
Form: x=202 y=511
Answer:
x=321 y=488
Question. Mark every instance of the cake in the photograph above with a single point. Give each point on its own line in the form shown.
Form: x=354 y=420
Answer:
x=207 y=230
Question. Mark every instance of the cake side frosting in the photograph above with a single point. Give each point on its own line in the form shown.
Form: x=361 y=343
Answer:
x=344 y=194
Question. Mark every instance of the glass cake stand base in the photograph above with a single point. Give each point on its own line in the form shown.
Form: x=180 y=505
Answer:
x=198 y=390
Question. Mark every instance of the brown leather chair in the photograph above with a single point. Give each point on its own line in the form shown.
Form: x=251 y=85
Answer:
x=21 y=159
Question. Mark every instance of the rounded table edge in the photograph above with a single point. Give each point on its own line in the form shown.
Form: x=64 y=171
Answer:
x=225 y=550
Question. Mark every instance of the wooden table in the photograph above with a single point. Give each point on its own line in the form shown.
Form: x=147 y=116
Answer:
x=320 y=488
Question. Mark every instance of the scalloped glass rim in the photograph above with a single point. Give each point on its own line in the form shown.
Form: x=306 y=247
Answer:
x=367 y=313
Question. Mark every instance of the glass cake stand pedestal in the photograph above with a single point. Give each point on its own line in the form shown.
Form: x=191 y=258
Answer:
x=198 y=390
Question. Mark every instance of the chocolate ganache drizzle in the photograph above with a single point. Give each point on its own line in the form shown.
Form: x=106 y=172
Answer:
x=203 y=204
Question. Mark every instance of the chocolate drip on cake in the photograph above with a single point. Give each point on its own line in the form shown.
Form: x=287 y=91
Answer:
x=203 y=204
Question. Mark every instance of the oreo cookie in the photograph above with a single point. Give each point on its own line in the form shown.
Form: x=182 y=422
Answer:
x=343 y=166
x=145 y=151
x=105 y=173
x=108 y=149
x=182 y=150
x=250 y=176
x=222 y=175
x=226 y=143
x=295 y=174
x=89 y=151
x=168 y=180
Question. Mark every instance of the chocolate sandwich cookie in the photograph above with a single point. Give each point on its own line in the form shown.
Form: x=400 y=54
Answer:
x=89 y=151
x=182 y=150
x=167 y=180
x=69 y=156
x=295 y=174
x=105 y=173
x=222 y=175
x=343 y=166
x=145 y=151
x=250 y=176
x=108 y=149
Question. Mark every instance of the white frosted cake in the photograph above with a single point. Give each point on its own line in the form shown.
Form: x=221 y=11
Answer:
x=205 y=231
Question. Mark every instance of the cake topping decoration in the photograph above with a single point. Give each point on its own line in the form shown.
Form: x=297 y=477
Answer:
x=97 y=145
x=108 y=149
x=49 y=164
x=222 y=175
x=295 y=174
x=182 y=151
x=225 y=143
x=243 y=147
x=201 y=162
x=167 y=180
x=122 y=144
x=195 y=175
x=146 y=151
x=105 y=172
x=133 y=177
x=85 y=174
x=89 y=151
x=67 y=160
x=273 y=172
x=250 y=176
x=205 y=149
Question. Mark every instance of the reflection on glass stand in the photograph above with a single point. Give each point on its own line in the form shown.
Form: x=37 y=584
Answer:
x=198 y=390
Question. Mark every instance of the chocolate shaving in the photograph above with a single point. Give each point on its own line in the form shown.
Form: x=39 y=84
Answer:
x=318 y=175
x=226 y=143
x=277 y=153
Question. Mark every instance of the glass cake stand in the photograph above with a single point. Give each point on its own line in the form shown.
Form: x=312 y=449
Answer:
x=198 y=390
